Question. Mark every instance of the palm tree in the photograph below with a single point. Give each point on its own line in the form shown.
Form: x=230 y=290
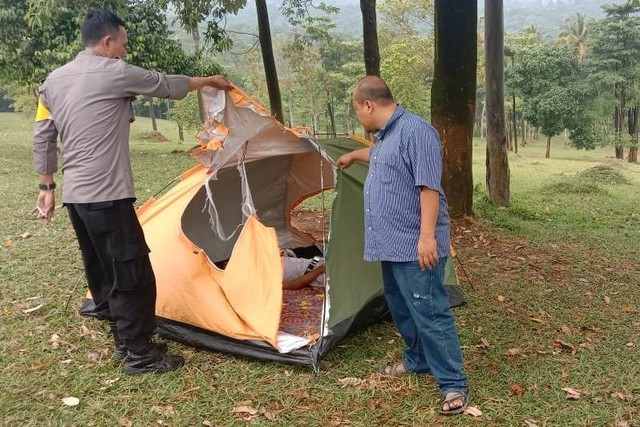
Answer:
x=574 y=34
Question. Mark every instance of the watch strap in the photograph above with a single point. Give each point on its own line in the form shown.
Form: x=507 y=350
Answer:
x=48 y=186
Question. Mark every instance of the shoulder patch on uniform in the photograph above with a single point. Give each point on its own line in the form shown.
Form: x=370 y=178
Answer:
x=42 y=113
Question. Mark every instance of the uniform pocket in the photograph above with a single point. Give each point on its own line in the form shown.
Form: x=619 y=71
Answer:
x=132 y=268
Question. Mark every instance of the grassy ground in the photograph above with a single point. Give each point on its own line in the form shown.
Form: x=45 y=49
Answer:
x=554 y=306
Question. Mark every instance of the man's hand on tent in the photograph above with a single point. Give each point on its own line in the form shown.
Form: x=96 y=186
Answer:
x=347 y=159
x=45 y=205
x=218 y=81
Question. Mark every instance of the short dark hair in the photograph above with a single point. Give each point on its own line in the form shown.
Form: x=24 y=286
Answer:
x=98 y=23
x=373 y=88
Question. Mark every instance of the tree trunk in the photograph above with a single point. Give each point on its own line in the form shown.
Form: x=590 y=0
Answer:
x=195 y=34
x=370 y=37
x=498 y=175
x=271 y=74
x=523 y=133
x=181 y=133
x=619 y=123
x=483 y=116
x=152 y=114
x=509 y=132
x=547 y=154
x=515 y=114
x=332 y=119
x=633 y=131
x=453 y=97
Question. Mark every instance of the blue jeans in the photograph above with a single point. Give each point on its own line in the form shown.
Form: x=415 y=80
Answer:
x=420 y=308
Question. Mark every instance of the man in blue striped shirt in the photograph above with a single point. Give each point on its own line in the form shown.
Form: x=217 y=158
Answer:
x=407 y=228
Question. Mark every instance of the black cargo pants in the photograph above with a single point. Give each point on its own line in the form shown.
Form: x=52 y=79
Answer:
x=116 y=262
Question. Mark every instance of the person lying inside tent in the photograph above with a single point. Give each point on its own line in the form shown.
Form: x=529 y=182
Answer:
x=298 y=273
x=302 y=272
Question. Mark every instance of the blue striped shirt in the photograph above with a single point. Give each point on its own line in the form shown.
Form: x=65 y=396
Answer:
x=407 y=156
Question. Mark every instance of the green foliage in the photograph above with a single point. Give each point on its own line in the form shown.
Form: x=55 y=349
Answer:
x=301 y=13
x=406 y=52
x=185 y=113
x=37 y=36
x=550 y=81
x=191 y=13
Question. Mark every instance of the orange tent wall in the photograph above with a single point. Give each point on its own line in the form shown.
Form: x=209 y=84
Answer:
x=244 y=301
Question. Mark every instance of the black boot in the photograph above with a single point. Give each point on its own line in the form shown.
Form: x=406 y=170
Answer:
x=120 y=348
x=151 y=359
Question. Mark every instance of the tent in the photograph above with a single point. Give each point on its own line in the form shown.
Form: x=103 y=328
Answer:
x=236 y=205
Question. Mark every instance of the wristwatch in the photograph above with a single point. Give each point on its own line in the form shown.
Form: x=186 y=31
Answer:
x=316 y=259
x=46 y=187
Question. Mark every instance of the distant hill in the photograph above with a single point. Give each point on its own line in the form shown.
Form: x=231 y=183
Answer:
x=547 y=15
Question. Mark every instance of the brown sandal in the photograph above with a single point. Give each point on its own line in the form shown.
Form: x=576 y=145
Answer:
x=451 y=397
x=392 y=370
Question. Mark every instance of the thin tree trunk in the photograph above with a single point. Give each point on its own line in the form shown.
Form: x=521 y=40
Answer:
x=547 y=154
x=509 y=131
x=370 y=37
x=271 y=74
x=181 y=133
x=195 y=34
x=619 y=123
x=332 y=119
x=523 y=133
x=498 y=174
x=515 y=117
x=152 y=114
x=633 y=131
x=483 y=118
x=453 y=97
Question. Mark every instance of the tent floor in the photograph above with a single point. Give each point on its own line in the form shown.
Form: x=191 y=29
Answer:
x=302 y=312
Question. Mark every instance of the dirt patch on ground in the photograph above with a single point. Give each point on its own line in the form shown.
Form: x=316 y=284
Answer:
x=310 y=222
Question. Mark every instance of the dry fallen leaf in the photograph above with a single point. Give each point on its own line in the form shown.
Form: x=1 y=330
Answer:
x=207 y=423
x=565 y=329
x=566 y=346
x=7 y=243
x=269 y=415
x=622 y=424
x=167 y=411
x=25 y=235
x=484 y=343
x=535 y=319
x=55 y=340
x=572 y=394
x=71 y=401
x=371 y=405
x=513 y=351
x=607 y=300
x=630 y=344
x=516 y=389
x=531 y=423
x=350 y=382
x=123 y=422
x=620 y=396
x=473 y=411
x=501 y=298
x=243 y=409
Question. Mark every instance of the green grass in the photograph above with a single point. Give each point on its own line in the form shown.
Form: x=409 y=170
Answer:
x=560 y=264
